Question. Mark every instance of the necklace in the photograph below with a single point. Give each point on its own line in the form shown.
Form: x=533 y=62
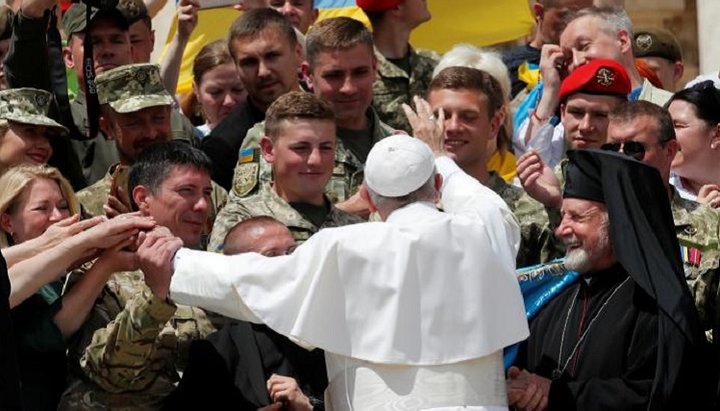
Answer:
x=558 y=372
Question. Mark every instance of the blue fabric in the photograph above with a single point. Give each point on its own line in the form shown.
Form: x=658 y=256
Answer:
x=539 y=284
x=527 y=106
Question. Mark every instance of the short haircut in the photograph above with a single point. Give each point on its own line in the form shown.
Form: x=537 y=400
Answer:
x=628 y=111
x=705 y=98
x=134 y=11
x=239 y=241
x=612 y=19
x=253 y=22
x=460 y=78
x=155 y=163
x=338 y=33
x=295 y=105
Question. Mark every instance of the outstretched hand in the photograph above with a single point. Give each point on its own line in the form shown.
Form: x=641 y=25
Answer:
x=538 y=180
x=155 y=254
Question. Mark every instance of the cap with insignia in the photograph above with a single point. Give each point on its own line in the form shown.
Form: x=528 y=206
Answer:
x=74 y=20
x=657 y=42
x=377 y=5
x=133 y=10
x=28 y=106
x=132 y=87
x=603 y=77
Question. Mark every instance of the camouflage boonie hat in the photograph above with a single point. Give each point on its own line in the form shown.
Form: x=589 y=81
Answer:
x=28 y=106
x=74 y=20
x=132 y=88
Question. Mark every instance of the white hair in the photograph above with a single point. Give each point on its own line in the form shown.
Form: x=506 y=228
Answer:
x=614 y=19
x=465 y=55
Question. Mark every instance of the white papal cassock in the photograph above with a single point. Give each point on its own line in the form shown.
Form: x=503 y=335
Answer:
x=413 y=313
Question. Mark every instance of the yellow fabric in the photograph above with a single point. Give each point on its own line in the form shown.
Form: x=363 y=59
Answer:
x=479 y=22
x=504 y=164
x=529 y=76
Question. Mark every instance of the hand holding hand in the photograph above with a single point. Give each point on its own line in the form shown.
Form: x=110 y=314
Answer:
x=286 y=390
x=426 y=127
x=538 y=180
x=527 y=391
x=155 y=255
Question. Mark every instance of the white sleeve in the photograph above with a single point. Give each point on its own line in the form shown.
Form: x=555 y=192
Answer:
x=462 y=194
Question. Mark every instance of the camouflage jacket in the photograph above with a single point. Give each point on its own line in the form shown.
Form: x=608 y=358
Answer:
x=94 y=197
x=537 y=242
x=267 y=203
x=393 y=87
x=128 y=352
x=698 y=229
x=252 y=170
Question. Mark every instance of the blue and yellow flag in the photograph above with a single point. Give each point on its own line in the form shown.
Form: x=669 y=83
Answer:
x=478 y=22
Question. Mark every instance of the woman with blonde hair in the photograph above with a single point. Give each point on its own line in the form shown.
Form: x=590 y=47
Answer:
x=34 y=198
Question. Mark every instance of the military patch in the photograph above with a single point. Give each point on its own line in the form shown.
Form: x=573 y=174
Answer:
x=643 y=41
x=690 y=255
x=246 y=178
x=41 y=100
x=605 y=77
x=248 y=155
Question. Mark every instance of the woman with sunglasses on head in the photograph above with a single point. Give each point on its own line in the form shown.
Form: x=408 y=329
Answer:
x=696 y=168
x=34 y=198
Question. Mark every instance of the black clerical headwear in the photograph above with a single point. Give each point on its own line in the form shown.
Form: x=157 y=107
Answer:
x=645 y=244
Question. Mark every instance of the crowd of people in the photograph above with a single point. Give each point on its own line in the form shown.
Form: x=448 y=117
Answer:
x=333 y=219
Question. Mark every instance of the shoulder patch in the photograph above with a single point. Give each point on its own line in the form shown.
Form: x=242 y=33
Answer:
x=249 y=155
x=246 y=178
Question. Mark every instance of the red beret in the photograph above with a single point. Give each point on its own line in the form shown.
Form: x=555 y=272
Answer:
x=604 y=77
x=377 y=5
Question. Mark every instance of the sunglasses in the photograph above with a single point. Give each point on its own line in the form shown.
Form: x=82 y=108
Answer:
x=631 y=149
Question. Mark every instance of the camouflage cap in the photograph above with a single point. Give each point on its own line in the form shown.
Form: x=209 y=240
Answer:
x=74 y=20
x=657 y=42
x=132 y=87
x=28 y=106
x=134 y=11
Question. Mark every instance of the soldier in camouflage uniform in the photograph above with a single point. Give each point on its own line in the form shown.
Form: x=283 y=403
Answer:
x=301 y=139
x=24 y=112
x=473 y=106
x=28 y=66
x=136 y=109
x=402 y=71
x=342 y=69
x=134 y=343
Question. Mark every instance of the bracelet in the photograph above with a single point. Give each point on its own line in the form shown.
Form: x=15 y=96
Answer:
x=538 y=118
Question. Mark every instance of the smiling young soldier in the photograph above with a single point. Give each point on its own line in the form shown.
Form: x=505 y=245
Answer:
x=300 y=147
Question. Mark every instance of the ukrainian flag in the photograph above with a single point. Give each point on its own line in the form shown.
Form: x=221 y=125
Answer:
x=478 y=22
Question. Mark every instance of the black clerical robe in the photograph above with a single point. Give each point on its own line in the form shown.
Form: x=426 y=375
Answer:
x=614 y=366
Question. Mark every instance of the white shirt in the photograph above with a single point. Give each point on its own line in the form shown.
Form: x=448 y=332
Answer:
x=423 y=290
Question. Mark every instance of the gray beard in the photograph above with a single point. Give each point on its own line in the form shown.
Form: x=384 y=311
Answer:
x=583 y=261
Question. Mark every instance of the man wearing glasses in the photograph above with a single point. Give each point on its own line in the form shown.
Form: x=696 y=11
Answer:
x=644 y=131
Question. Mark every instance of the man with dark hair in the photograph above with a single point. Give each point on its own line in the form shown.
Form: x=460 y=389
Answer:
x=136 y=113
x=142 y=35
x=402 y=71
x=644 y=131
x=626 y=335
x=267 y=54
x=299 y=146
x=342 y=70
x=472 y=105
x=129 y=351
x=550 y=17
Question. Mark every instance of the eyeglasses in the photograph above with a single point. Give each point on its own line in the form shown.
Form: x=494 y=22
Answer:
x=632 y=149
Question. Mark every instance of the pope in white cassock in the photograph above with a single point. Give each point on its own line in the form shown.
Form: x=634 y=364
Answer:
x=412 y=312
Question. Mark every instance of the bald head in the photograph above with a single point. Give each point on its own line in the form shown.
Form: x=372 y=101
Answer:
x=263 y=235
